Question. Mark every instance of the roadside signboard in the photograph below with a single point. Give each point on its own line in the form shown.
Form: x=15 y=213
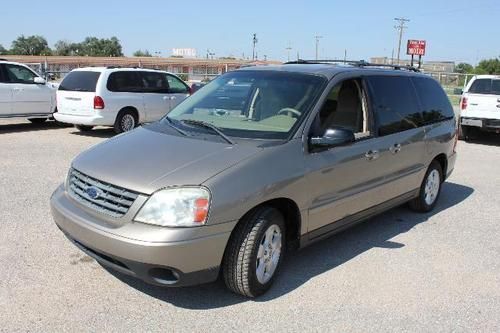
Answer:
x=415 y=47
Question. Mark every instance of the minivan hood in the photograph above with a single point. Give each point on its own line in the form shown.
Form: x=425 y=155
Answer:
x=145 y=160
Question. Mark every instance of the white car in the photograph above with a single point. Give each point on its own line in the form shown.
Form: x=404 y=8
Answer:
x=23 y=93
x=480 y=105
x=118 y=97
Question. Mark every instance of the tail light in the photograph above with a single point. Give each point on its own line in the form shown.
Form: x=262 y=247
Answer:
x=463 y=103
x=98 y=102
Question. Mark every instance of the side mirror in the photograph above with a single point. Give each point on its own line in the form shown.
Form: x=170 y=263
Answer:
x=333 y=137
x=39 y=80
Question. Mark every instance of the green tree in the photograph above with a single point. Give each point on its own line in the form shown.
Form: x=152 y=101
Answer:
x=464 y=68
x=140 y=53
x=65 y=48
x=3 y=50
x=488 y=66
x=31 y=45
x=95 y=47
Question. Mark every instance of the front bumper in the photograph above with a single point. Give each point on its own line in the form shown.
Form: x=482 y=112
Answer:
x=156 y=255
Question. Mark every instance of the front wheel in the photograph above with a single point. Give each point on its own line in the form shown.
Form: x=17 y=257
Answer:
x=255 y=252
x=429 y=190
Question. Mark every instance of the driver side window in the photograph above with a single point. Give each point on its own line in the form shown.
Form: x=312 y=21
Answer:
x=18 y=74
x=344 y=107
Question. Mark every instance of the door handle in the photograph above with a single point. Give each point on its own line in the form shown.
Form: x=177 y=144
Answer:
x=172 y=98
x=17 y=89
x=396 y=148
x=372 y=155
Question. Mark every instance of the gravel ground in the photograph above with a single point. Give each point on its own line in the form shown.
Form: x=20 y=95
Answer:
x=400 y=271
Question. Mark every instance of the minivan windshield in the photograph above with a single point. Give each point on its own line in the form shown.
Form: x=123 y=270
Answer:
x=80 y=81
x=251 y=104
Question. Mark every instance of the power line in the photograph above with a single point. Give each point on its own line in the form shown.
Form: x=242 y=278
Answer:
x=401 y=27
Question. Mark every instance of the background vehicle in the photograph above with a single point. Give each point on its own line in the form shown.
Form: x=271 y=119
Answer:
x=480 y=106
x=258 y=162
x=118 y=97
x=23 y=93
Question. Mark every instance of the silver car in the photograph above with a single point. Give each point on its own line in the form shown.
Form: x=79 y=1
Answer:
x=259 y=162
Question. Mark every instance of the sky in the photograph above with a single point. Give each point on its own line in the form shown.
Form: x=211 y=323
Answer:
x=458 y=30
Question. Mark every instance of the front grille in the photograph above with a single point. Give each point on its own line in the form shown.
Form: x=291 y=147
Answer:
x=98 y=195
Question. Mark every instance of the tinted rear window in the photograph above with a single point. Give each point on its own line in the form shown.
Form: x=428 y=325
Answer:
x=394 y=103
x=80 y=81
x=485 y=86
x=434 y=102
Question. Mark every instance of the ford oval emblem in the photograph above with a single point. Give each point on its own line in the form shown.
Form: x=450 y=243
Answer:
x=93 y=192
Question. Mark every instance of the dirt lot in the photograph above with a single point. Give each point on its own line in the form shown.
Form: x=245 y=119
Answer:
x=400 y=271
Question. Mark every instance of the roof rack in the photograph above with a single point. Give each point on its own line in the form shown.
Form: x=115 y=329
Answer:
x=356 y=63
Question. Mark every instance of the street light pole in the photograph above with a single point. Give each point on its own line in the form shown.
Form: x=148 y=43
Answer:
x=317 y=44
x=254 y=41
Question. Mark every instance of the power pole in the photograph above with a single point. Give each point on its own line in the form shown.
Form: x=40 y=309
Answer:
x=401 y=27
x=288 y=49
x=317 y=44
x=254 y=41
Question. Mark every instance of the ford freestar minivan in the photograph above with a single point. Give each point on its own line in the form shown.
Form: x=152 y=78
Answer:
x=258 y=162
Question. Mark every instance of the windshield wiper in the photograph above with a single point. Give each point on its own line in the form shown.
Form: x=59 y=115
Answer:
x=171 y=124
x=209 y=126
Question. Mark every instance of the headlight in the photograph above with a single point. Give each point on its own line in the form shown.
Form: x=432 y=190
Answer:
x=176 y=207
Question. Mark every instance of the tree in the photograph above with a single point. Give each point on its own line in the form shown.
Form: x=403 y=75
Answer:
x=95 y=47
x=3 y=51
x=488 y=66
x=31 y=45
x=65 y=48
x=140 y=53
x=464 y=68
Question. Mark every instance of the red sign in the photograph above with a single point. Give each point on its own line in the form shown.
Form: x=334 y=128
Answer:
x=416 y=47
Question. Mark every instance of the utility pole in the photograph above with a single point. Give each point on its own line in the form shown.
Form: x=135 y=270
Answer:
x=288 y=49
x=317 y=44
x=401 y=27
x=254 y=41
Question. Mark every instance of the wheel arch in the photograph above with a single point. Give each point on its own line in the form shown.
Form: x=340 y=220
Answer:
x=443 y=162
x=133 y=109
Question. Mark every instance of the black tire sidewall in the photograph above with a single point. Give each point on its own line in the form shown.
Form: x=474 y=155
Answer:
x=434 y=166
x=118 y=122
x=271 y=217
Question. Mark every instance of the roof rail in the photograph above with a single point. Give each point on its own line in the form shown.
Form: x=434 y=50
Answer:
x=357 y=63
x=112 y=67
x=3 y=59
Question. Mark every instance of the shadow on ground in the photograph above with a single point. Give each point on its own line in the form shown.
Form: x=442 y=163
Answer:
x=321 y=257
x=25 y=126
x=486 y=138
x=100 y=132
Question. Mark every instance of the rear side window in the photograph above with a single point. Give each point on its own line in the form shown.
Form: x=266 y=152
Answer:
x=485 y=86
x=154 y=82
x=2 y=78
x=434 y=102
x=125 y=82
x=80 y=81
x=394 y=103
x=176 y=86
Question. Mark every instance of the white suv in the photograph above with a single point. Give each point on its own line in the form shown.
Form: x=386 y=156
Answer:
x=23 y=93
x=480 y=105
x=118 y=97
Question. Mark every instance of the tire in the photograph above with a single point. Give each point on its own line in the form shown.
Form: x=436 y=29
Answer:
x=246 y=245
x=84 y=128
x=125 y=121
x=429 y=190
x=37 y=120
x=464 y=133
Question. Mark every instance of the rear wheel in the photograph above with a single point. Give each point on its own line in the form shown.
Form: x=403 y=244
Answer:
x=255 y=252
x=38 y=120
x=429 y=190
x=84 y=128
x=125 y=121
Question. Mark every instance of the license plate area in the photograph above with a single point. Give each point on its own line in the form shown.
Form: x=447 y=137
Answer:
x=472 y=122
